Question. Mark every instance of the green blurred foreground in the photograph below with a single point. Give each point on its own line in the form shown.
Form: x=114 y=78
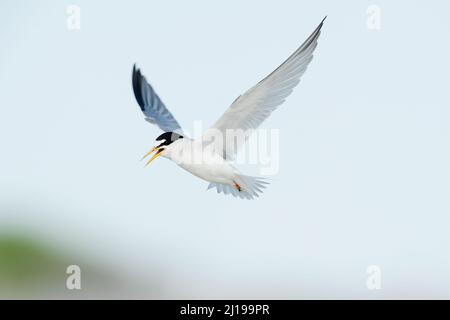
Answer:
x=33 y=269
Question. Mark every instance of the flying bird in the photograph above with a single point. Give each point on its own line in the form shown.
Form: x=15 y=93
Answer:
x=210 y=156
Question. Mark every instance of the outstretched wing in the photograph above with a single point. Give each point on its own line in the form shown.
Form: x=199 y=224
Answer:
x=249 y=110
x=151 y=105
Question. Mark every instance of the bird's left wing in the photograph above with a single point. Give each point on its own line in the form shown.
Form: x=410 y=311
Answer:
x=151 y=105
x=249 y=110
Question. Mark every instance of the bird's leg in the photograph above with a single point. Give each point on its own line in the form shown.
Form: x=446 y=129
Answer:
x=237 y=186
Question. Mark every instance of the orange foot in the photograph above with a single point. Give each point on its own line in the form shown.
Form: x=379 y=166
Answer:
x=238 y=187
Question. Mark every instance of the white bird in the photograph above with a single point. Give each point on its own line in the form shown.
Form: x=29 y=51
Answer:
x=209 y=157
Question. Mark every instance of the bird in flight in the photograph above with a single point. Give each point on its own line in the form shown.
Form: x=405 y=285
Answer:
x=210 y=156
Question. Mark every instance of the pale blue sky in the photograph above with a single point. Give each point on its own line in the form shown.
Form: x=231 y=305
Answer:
x=364 y=159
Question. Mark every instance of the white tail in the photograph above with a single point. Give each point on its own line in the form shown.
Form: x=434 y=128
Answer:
x=250 y=187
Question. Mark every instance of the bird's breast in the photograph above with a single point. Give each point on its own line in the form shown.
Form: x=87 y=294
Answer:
x=202 y=162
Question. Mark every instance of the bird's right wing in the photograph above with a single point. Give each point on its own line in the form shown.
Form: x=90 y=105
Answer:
x=151 y=105
x=250 y=109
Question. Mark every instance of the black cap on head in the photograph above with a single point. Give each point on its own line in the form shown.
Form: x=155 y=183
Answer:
x=168 y=137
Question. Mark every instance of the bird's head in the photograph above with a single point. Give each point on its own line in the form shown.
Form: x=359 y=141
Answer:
x=163 y=143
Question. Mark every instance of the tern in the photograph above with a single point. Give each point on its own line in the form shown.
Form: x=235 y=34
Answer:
x=210 y=156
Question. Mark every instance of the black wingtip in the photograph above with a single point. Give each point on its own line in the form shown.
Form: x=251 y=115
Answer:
x=319 y=27
x=135 y=70
x=321 y=22
x=136 y=80
x=133 y=73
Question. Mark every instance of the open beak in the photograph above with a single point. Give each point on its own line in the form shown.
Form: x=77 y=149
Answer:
x=156 y=155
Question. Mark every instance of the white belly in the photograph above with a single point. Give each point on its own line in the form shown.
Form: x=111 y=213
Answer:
x=204 y=164
x=212 y=173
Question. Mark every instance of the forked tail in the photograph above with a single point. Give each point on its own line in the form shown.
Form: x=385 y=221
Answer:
x=246 y=187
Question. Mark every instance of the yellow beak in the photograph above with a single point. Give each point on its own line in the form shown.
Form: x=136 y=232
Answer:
x=156 y=155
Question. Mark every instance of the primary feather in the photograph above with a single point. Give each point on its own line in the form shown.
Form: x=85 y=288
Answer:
x=151 y=105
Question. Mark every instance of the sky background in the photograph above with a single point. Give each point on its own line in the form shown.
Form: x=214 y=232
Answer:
x=364 y=154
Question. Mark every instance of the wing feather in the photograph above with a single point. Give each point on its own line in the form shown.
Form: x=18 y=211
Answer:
x=250 y=109
x=151 y=105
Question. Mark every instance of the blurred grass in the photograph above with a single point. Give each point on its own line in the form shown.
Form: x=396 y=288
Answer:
x=34 y=261
x=31 y=268
x=22 y=259
x=28 y=266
